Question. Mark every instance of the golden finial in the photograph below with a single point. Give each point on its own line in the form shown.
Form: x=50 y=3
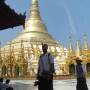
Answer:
x=85 y=43
x=78 y=49
x=70 y=46
x=34 y=1
x=34 y=12
x=34 y=22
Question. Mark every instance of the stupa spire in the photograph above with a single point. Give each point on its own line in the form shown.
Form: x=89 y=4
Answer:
x=34 y=1
x=78 y=49
x=34 y=22
x=34 y=12
x=85 y=43
x=70 y=46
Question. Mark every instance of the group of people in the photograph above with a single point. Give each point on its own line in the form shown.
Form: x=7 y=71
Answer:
x=5 y=86
x=46 y=70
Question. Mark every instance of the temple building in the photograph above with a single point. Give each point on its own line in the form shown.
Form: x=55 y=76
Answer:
x=19 y=57
x=81 y=50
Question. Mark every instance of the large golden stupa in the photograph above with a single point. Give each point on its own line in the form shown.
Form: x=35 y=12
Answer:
x=20 y=56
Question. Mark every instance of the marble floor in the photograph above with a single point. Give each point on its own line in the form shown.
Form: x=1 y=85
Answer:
x=58 y=84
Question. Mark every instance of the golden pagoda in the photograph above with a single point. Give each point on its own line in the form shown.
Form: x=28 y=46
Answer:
x=86 y=53
x=82 y=51
x=71 y=52
x=70 y=59
x=20 y=56
x=85 y=48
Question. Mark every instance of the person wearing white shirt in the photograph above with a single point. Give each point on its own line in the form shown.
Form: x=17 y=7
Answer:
x=45 y=70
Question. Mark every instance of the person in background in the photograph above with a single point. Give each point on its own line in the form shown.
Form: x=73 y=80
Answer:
x=45 y=70
x=2 y=85
x=81 y=75
x=9 y=86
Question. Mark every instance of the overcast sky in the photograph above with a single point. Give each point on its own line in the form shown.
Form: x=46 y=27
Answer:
x=62 y=18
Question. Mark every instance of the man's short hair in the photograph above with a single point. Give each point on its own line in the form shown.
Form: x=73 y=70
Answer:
x=1 y=79
x=44 y=45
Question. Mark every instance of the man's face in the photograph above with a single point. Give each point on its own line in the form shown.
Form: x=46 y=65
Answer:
x=1 y=79
x=44 y=48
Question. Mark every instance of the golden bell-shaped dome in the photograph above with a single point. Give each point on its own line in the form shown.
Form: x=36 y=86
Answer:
x=35 y=30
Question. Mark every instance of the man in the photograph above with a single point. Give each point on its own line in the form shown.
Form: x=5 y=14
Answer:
x=45 y=70
x=81 y=78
